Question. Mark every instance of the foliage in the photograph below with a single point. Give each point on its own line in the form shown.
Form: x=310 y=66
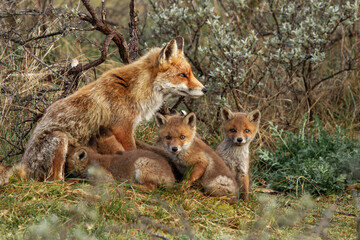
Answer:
x=258 y=54
x=311 y=161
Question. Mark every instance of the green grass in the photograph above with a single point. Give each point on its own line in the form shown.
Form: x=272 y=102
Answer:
x=73 y=210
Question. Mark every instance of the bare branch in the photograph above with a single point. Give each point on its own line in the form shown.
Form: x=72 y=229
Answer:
x=104 y=52
x=349 y=68
x=42 y=62
x=133 y=31
x=118 y=39
x=179 y=101
x=31 y=12
x=103 y=12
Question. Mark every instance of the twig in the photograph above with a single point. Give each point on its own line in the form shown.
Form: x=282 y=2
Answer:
x=156 y=235
x=349 y=68
x=104 y=51
x=32 y=12
x=180 y=100
x=41 y=62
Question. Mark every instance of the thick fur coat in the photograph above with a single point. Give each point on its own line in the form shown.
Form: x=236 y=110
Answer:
x=118 y=100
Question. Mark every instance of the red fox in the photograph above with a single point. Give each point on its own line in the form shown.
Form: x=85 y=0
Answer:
x=105 y=142
x=118 y=100
x=239 y=130
x=140 y=166
x=178 y=135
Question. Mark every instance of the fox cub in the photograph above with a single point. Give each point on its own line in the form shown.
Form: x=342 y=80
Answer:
x=239 y=130
x=105 y=142
x=140 y=166
x=178 y=135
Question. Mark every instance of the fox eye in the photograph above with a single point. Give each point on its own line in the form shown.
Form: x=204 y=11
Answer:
x=246 y=130
x=233 y=130
x=182 y=137
x=168 y=137
x=183 y=75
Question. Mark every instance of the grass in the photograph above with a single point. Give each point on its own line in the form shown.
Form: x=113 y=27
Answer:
x=74 y=210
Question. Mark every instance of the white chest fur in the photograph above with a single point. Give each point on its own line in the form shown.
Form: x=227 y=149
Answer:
x=235 y=157
x=149 y=106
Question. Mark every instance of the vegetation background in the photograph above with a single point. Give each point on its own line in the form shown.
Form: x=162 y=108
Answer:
x=295 y=61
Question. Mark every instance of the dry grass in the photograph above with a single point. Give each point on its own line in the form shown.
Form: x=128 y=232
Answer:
x=120 y=211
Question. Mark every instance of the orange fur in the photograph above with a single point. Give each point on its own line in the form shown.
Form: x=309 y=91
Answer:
x=178 y=135
x=118 y=100
x=141 y=166
x=239 y=130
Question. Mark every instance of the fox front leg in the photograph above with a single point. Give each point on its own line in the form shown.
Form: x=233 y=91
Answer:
x=60 y=152
x=196 y=173
x=124 y=134
x=244 y=186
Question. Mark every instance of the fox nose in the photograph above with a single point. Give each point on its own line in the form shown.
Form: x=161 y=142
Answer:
x=174 y=149
x=204 y=90
x=239 y=140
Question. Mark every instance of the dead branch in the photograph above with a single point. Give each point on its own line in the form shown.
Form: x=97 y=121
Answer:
x=178 y=102
x=29 y=12
x=104 y=51
x=103 y=27
x=133 y=32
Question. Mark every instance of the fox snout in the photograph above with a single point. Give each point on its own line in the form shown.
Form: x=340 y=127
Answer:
x=240 y=140
x=174 y=149
x=195 y=91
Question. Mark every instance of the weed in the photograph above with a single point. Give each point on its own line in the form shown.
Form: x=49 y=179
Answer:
x=314 y=161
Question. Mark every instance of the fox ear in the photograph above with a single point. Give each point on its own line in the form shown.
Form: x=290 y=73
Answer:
x=81 y=155
x=104 y=131
x=254 y=116
x=160 y=119
x=92 y=142
x=226 y=114
x=180 y=44
x=190 y=119
x=169 y=51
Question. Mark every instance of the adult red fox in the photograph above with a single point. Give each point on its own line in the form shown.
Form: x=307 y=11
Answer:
x=239 y=130
x=178 y=135
x=118 y=100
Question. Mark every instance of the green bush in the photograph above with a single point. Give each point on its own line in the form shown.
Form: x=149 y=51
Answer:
x=313 y=161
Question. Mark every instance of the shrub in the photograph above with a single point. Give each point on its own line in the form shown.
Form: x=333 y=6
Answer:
x=262 y=54
x=312 y=161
